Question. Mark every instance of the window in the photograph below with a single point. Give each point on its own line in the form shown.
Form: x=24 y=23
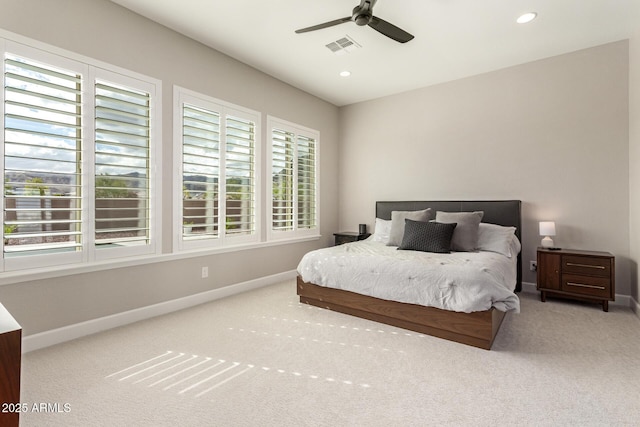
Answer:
x=42 y=146
x=293 y=182
x=78 y=156
x=217 y=175
x=122 y=166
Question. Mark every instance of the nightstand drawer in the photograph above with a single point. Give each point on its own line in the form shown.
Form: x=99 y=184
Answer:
x=348 y=237
x=587 y=285
x=341 y=240
x=586 y=265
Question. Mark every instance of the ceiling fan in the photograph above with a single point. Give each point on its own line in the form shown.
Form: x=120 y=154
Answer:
x=363 y=15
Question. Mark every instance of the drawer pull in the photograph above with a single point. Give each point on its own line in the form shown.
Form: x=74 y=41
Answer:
x=582 y=285
x=600 y=267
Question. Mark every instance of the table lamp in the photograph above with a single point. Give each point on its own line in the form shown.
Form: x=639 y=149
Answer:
x=547 y=229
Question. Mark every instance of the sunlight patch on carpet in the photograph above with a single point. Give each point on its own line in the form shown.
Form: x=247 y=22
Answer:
x=314 y=340
x=197 y=376
x=330 y=325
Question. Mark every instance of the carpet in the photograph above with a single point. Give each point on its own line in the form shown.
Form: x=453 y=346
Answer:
x=263 y=359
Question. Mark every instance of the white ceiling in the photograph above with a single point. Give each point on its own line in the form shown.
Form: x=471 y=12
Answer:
x=453 y=38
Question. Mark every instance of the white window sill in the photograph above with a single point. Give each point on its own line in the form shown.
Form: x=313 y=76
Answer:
x=12 y=277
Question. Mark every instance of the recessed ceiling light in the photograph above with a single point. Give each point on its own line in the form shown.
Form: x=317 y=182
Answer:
x=526 y=17
x=345 y=73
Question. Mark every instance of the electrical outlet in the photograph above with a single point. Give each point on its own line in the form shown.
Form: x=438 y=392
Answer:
x=533 y=265
x=205 y=272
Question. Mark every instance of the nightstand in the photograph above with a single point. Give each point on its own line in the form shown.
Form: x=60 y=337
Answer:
x=582 y=275
x=349 y=236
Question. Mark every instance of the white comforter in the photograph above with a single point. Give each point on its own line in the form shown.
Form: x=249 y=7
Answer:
x=460 y=281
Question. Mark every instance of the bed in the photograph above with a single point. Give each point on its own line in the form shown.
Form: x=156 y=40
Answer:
x=475 y=328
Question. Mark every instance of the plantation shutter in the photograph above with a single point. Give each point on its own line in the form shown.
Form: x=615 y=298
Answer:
x=306 y=157
x=122 y=209
x=240 y=176
x=200 y=172
x=282 y=167
x=42 y=132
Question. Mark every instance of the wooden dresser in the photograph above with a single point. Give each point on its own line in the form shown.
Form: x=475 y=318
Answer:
x=583 y=275
x=10 y=359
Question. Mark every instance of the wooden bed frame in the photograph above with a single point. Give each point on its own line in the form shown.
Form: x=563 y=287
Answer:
x=477 y=329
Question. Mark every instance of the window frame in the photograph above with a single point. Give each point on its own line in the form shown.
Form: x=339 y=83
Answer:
x=154 y=169
x=297 y=130
x=182 y=96
x=89 y=71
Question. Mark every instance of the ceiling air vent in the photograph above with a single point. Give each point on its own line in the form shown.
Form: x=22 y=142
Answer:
x=344 y=45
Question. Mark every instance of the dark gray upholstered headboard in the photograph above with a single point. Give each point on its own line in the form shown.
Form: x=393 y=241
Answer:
x=501 y=212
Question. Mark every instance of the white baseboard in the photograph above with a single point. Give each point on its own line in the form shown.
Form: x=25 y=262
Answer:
x=621 y=300
x=67 y=333
x=635 y=306
x=529 y=287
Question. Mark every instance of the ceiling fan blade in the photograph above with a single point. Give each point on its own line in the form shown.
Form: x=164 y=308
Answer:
x=325 y=25
x=389 y=30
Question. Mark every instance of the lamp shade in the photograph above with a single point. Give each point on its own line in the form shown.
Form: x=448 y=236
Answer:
x=547 y=228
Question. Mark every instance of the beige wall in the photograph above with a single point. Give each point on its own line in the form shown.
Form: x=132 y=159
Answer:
x=634 y=160
x=102 y=30
x=552 y=133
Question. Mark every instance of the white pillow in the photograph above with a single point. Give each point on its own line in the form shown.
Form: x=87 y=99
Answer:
x=515 y=245
x=496 y=238
x=381 y=231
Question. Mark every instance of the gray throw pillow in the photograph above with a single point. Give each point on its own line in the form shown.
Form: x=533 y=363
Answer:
x=465 y=235
x=427 y=236
x=397 y=223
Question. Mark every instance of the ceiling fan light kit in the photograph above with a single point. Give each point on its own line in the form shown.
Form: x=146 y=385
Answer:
x=363 y=15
